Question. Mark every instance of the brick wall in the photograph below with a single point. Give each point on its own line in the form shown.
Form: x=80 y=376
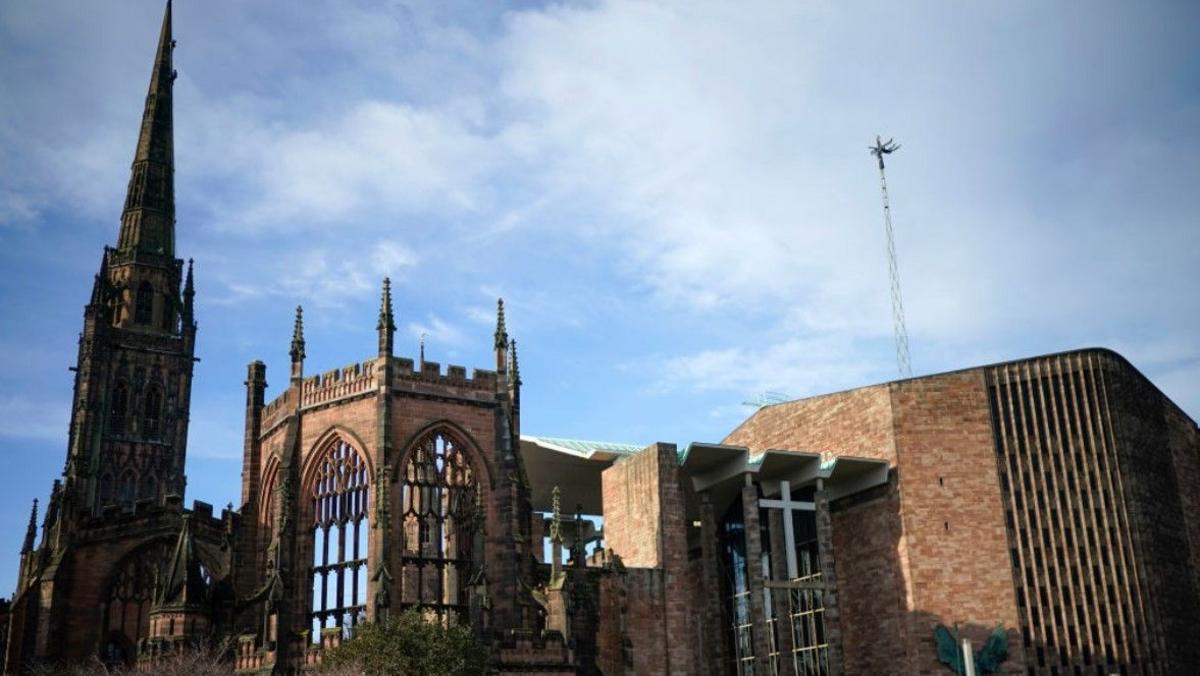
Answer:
x=1150 y=453
x=632 y=509
x=871 y=585
x=932 y=549
x=855 y=422
x=645 y=524
x=957 y=547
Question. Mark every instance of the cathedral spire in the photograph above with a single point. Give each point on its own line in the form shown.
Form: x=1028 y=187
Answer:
x=387 y=323
x=148 y=220
x=31 y=530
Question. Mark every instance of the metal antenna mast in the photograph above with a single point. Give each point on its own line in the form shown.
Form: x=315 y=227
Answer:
x=902 y=360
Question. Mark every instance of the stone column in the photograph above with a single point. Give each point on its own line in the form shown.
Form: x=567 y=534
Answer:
x=710 y=551
x=754 y=579
x=833 y=630
x=781 y=598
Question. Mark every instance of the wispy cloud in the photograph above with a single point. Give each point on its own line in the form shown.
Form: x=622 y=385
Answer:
x=28 y=418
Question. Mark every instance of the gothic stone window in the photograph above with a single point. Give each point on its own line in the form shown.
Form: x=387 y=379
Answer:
x=442 y=527
x=128 y=488
x=106 y=489
x=168 y=314
x=151 y=426
x=118 y=407
x=339 y=501
x=143 y=309
x=126 y=611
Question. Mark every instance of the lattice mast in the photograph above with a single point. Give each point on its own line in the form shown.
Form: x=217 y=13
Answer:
x=903 y=363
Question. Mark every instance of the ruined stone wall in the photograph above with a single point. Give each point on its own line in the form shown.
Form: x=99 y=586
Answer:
x=645 y=524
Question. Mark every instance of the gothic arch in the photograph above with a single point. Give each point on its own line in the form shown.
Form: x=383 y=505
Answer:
x=334 y=505
x=143 y=309
x=129 y=591
x=119 y=407
x=152 y=412
x=331 y=435
x=441 y=510
x=266 y=490
x=480 y=462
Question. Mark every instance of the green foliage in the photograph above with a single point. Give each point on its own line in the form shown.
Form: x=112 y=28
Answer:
x=407 y=644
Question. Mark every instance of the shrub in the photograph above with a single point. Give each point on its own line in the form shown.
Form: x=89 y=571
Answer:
x=409 y=645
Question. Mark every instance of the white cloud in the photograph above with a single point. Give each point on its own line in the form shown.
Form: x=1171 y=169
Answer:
x=797 y=367
x=438 y=333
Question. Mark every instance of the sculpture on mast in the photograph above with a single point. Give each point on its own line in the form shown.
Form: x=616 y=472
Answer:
x=903 y=362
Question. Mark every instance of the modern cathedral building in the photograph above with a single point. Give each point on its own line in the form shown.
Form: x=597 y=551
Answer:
x=1054 y=499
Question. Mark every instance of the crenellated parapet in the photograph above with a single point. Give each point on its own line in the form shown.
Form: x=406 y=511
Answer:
x=336 y=384
x=407 y=376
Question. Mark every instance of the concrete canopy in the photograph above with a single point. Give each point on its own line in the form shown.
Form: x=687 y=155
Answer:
x=574 y=466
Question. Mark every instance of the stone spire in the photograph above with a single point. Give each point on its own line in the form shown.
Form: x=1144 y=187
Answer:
x=501 y=338
x=501 y=330
x=31 y=530
x=189 y=299
x=387 y=322
x=514 y=370
x=148 y=220
x=101 y=285
x=183 y=582
x=297 y=351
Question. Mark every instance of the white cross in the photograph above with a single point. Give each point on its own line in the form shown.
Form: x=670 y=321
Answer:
x=788 y=506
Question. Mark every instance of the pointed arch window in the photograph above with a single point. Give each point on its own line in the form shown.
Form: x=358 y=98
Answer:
x=126 y=612
x=106 y=489
x=442 y=527
x=119 y=407
x=340 y=529
x=143 y=309
x=168 y=312
x=149 y=489
x=151 y=426
x=127 y=488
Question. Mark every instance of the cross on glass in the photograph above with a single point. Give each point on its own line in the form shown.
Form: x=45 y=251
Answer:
x=788 y=506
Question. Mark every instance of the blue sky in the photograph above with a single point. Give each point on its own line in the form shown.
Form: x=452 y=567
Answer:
x=675 y=199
